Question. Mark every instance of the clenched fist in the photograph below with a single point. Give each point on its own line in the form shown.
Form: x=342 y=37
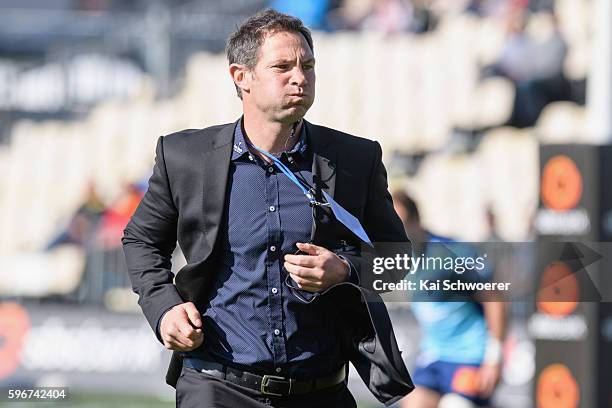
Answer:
x=317 y=269
x=181 y=328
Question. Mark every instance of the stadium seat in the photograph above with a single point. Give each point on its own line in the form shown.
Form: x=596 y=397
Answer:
x=493 y=100
x=578 y=61
x=41 y=274
x=508 y=159
x=490 y=38
x=561 y=122
x=574 y=19
x=444 y=179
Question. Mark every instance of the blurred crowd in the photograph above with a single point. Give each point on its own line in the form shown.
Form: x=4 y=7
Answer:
x=396 y=16
x=534 y=63
x=96 y=225
x=533 y=58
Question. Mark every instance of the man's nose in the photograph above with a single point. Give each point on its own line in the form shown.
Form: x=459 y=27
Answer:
x=298 y=77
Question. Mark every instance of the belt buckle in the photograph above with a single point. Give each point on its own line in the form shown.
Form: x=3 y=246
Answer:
x=265 y=381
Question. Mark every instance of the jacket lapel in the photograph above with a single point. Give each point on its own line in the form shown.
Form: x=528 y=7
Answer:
x=215 y=163
x=324 y=170
x=213 y=151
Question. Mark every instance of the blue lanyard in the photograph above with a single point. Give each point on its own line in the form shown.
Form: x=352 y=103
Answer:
x=346 y=218
x=281 y=166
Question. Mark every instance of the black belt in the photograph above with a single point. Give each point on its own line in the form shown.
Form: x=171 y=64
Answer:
x=266 y=384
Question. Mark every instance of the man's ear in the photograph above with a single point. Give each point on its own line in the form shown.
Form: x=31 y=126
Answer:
x=241 y=76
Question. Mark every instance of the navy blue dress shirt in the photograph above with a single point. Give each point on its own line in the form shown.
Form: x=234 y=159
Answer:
x=252 y=320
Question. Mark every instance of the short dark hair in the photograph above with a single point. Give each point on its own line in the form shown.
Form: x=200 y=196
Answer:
x=403 y=199
x=243 y=45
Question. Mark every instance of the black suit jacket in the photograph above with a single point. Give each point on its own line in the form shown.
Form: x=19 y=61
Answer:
x=185 y=202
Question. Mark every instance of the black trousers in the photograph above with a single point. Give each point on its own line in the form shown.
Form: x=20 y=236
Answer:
x=197 y=390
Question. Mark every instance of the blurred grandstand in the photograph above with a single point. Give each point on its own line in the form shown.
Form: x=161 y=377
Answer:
x=459 y=93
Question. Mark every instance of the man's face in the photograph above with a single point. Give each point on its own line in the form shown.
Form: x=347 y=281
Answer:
x=282 y=84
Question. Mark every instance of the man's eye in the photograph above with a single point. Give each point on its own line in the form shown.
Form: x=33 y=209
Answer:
x=281 y=67
x=309 y=66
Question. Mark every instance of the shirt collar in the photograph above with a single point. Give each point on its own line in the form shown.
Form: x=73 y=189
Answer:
x=241 y=148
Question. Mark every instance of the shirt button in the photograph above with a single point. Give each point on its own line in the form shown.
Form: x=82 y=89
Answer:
x=250 y=157
x=276 y=332
x=272 y=248
x=272 y=208
x=274 y=290
x=270 y=169
x=278 y=369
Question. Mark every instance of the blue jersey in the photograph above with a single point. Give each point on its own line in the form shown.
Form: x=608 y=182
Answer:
x=453 y=331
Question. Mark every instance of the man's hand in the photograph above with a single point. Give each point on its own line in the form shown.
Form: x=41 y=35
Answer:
x=318 y=269
x=181 y=328
x=488 y=376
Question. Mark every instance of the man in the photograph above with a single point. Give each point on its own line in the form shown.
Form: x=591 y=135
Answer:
x=267 y=309
x=459 y=360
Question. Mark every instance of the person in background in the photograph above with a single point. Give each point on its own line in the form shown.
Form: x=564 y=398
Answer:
x=84 y=221
x=533 y=64
x=389 y=16
x=117 y=215
x=459 y=361
x=312 y=13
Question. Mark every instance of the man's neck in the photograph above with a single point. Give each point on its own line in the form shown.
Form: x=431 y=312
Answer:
x=273 y=137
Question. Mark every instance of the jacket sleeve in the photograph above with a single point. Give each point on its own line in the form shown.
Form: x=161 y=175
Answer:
x=148 y=242
x=383 y=225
